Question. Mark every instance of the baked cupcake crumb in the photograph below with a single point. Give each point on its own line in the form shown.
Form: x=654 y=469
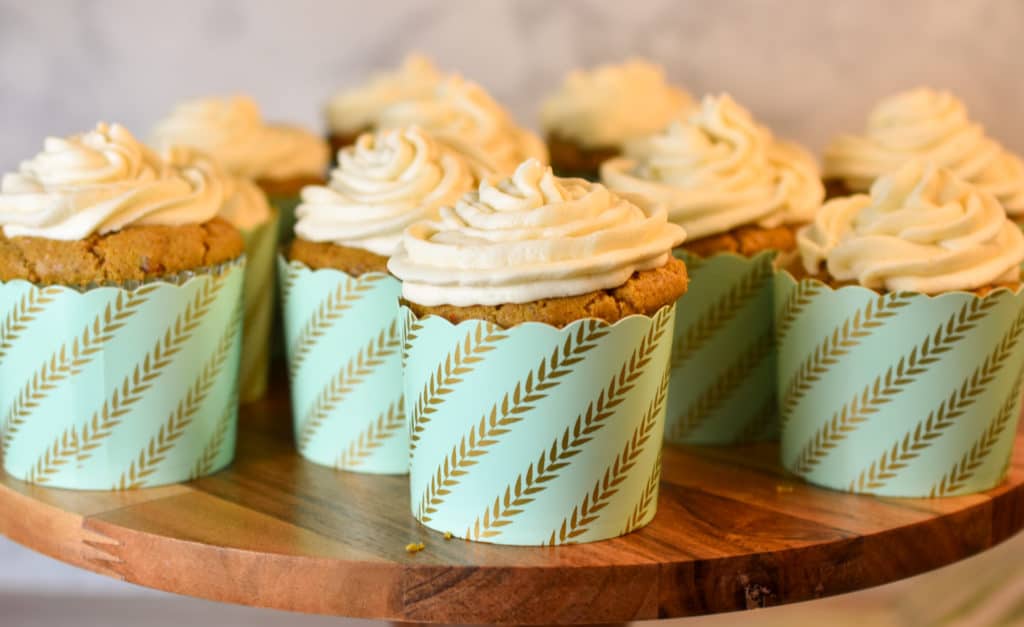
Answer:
x=745 y=240
x=319 y=255
x=569 y=158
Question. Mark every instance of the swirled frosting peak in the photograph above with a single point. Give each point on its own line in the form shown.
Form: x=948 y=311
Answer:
x=245 y=205
x=921 y=229
x=355 y=110
x=102 y=181
x=529 y=237
x=233 y=131
x=382 y=184
x=719 y=170
x=611 y=104
x=933 y=126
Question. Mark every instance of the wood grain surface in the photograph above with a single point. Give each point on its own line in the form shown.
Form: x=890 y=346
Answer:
x=733 y=532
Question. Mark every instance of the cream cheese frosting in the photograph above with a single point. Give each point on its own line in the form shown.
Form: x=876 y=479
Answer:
x=719 y=170
x=102 y=181
x=529 y=237
x=382 y=184
x=245 y=206
x=233 y=131
x=930 y=125
x=611 y=104
x=921 y=229
x=355 y=110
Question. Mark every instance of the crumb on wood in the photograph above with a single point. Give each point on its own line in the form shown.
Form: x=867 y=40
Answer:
x=448 y=535
x=784 y=488
x=415 y=547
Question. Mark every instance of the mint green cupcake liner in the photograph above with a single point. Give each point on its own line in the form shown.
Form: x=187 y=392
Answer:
x=258 y=298
x=898 y=394
x=120 y=387
x=722 y=385
x=343 y=339
x=536 y=435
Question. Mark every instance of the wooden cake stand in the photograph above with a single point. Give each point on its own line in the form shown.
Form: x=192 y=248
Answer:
x=732 y=532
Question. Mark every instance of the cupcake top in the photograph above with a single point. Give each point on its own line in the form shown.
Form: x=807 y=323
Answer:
x=102 y=181
x=382 y=184
x=462 y=115
x=933 y=126
x=611 y=104
x=355 y=110
x=233 y=132
x=719 y=170
x=245 y=205
x=921 y=229
x=529 y=237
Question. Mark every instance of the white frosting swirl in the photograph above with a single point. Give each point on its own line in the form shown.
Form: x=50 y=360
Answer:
x=382 y=184
x=530 y=237
x=462 y=115
x=720 y=170
x=933 y=126
x=232 y=130
x=611 y=104
x=922 y=229
x=245 y=206
x=355 y=110
x=102 y=181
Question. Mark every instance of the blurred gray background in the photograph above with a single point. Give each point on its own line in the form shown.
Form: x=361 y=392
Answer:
x=807 y=68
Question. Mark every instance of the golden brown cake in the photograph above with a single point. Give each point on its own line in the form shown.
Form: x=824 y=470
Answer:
x=569 y=158
x=745 y=240
x=320 y=255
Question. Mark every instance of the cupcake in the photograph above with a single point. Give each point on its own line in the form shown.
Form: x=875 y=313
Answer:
x=281 y=159
x=341 y=306
x=120 y=290
x=536 y=340
x=900 y=352
x=596 y=112
x=739 y=192
x=930 y=125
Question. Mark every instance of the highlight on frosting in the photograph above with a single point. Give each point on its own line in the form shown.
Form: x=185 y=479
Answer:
x=245 y=205
x=611 y=104
x=934 y=126
x=463 y=115
x=921 y=229
x=355 y=110
x=102 y=181
x=382 y=184
x=529 y=237
x=233 y=131
x=719 y=170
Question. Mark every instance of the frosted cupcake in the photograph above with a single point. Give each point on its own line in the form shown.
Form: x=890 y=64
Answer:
x=537 y=325
x=900 y=362
x=341 y=306
x=930 y=125
x=596 y=112
x=281 y=159
x=120 y=291
x=739 y=192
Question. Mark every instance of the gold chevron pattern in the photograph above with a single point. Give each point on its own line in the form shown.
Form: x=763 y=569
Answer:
x=410 y=326
x=291 y=275
x=802 y=296
x=352 y=374
x=712 y=320
x=881 y=391
x=648 y=497
x=962 y=471
x=69 y=362
x=345 y=294
x=458 y=363
x=587 y=512
x=507 y=412
x=32 y=303
x=724 y=387
x=534 y=480
x=916 y=441
x=387 y=424
x=843 y=339
x=215 y=445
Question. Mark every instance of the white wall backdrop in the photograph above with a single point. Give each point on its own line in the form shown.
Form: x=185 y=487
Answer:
x=807 y=67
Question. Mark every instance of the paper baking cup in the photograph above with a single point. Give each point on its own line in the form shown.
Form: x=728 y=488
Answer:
x=722 y=386
x=536 y=435
x=343 y=340
x=117 y=388
x=258 y=298
x=285 y=205
x=898 y=394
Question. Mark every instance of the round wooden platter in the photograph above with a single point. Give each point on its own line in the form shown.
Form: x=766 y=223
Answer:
x=732 y=532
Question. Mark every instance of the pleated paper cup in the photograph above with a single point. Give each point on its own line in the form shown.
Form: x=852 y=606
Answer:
x=898 y=394
x=343 y=337
x=118 y=387
x=536 y=435
x=258 y=298
x=722 y=385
